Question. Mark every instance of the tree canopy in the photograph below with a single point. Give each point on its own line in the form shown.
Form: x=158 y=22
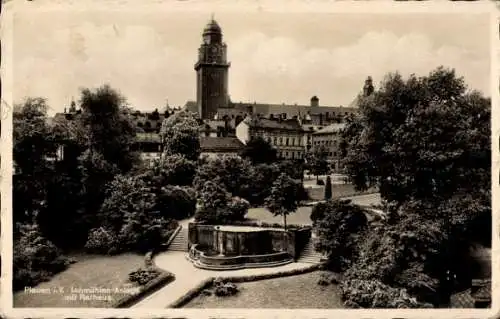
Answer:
x=180 y=135
x=259 y=151
x=423 y=137
x=284 y=197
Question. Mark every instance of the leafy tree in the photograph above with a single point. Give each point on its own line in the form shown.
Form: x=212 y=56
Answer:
x=338 y=224
x=293 y=168
x=423 y=137
x=213 y=200
x=328 y=188
x=317 y=161
x=261 y=179
x=232 y=171
x=32 y=144
x=108 y=126
x=128 y=214
x=180 y=135
x=176 y=202
x=174 y=170
x=283 y=199
x=259 y=151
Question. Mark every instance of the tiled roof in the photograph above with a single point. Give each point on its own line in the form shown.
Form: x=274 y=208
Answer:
x=331 y=128
x=291 y=109
x=292 y=124
x=220 y=144
x=265 y=109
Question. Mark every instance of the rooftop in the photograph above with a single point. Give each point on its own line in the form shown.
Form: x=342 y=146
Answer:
x=332 y=128
x=292 y=124
x=220 y=144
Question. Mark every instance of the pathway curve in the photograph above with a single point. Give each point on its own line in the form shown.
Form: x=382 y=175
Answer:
x=187 y=277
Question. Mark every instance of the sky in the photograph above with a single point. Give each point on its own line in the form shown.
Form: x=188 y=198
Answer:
x=275 y=57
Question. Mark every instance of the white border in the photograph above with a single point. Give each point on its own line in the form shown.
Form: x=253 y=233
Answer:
x=237 y=6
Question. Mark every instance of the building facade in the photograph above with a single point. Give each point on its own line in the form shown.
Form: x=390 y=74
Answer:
x=286 y=136
x=330 y=137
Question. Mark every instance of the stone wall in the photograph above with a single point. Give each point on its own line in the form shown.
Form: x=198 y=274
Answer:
x=258 y=242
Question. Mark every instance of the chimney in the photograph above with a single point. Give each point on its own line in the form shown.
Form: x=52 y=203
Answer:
x=314 y=101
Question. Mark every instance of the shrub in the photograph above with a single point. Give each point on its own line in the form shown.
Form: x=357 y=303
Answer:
x=238 y=208
x=143 y=275
x=320 y=182
x=102 y=241
x=35 y=259
x=374 y=294
x=328 y=278
x=223 y=288
x=337 y=224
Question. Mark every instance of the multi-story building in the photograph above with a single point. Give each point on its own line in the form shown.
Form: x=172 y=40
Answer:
x=286 y=136
x=330 y=137
x=212 y=98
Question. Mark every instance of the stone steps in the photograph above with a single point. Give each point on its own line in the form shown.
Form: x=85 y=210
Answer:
x=180 y=242
x=309 y=254
x=200 y=265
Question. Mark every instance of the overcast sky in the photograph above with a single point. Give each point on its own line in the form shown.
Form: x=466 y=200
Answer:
x=275 y=57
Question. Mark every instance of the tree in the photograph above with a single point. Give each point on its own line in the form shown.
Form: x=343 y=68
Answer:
x=175 y=170
x=180 y=135
x=284 y=197
x=33 y=143
x=259 y=151
x=328 y=188
x=293 y=168
x=108 y=127
x=338 y=224
x=232 y=171
x=213 y=202
x=424 y=137
x=317 y=161
x=128 y=214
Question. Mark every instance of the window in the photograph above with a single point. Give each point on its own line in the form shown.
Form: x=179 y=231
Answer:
x=293 y=154
x=287 y=140
x=334 y=153
x=281 y=141
x=286 y=154
x=275 y=140
x=293 y=140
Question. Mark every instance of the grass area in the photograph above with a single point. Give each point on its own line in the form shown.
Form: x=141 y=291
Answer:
x=303 y=213
x=301 y=216
x=300 y=291
x=90 y=271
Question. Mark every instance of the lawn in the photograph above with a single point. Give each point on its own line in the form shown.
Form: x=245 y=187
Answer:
x=300 y=291
x=90 y=271
x=301 y=216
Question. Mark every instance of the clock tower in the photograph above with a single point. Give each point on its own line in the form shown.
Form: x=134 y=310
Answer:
x=211 y=72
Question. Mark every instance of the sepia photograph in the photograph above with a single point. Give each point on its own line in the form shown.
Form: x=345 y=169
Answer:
x=225 y=159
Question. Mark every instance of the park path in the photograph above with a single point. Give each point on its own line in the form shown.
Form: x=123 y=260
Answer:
x=187 y=277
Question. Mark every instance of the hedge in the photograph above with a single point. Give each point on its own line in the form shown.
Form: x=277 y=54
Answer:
x=191 y=294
